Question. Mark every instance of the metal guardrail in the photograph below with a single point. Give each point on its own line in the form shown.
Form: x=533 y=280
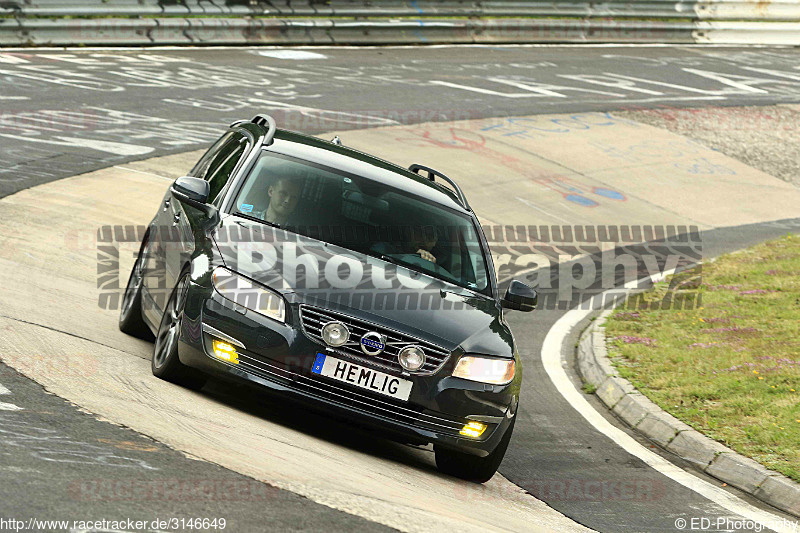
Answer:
x=176 y=31
x=175 y=22
x=757 y=10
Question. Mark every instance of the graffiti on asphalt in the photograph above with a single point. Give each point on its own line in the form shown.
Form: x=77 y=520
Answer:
x=194 y=91
x=570 y=189
x=47 y=444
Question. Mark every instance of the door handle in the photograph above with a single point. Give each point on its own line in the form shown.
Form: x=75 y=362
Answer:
x=166 y=204
x=176 y=218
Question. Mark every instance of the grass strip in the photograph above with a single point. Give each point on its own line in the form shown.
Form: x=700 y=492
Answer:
x=730 y=368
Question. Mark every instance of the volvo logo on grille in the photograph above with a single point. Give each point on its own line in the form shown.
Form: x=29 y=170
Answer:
x=372 y=343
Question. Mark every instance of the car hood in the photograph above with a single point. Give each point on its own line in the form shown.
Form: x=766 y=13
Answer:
x=312 y=272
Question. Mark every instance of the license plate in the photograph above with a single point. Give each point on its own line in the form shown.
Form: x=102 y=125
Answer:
x=361 y=376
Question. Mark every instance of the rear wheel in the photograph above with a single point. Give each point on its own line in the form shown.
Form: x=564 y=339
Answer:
x=130 y=313
x=472 y=467
x=165 y=363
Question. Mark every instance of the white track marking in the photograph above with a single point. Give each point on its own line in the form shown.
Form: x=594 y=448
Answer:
x=551 y=359
x=671 y=98
x=481 y=90
x=143 y=172
x=292 y=54
x=352 y=118
x=115 y=148
x=534 y=206
x=106 y=146
x=175 y=48
x=7 y=406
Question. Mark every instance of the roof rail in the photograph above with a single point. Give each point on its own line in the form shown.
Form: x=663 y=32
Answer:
x=261 y=120
x=415 y=168
x=266 y=120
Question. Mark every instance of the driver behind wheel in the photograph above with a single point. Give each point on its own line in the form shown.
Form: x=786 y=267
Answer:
x=283 y=194
x=416 y=240
x=424 y=240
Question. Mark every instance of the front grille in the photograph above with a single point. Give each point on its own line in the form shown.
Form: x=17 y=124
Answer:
x=321 y=388
x=314 y=318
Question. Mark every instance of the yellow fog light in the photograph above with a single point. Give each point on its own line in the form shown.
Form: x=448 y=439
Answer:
x=225 y=351
x=473 y=429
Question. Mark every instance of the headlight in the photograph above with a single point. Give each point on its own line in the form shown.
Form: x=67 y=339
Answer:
x=335 y=333
x=411 y=358
x=485 y=370
x=244 y=292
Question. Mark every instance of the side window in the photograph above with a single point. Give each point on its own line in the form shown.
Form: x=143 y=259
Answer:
x=224 y=163
x=200 y=170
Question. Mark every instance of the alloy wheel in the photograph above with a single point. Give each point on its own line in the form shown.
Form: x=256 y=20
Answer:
x=134 y=285
x=170 y=324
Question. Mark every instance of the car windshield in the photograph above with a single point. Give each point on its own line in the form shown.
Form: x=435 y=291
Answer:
x=365 y=216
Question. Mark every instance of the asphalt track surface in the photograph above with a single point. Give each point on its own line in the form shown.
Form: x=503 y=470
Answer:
x=67 y=112
x=58 y=463
x=558 y=456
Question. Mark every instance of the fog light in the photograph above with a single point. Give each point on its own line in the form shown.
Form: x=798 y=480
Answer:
x=225 y=351
x=473 y=429
x=335 y=334
x=411 y=358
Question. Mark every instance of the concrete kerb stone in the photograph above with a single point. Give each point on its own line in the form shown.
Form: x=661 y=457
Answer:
x=613 y=389
x=783 y=491
x=599 y=346
x=661 y=427
x=696 y=447
x=738 y=471
x=634 y=407
x=619 y=395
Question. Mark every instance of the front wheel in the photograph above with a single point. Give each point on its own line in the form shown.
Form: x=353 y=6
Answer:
x=130 y=313
x=165 y=363
x=471 y=467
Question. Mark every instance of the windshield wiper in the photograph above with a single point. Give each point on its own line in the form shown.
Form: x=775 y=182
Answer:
x=389 y=259
x=399 y=262
x=256 y=219
x=433 y=273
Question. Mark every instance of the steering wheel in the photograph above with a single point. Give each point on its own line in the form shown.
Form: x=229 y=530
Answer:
x=415 y=259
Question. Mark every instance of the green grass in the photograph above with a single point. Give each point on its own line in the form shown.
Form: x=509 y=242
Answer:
x=731 y=367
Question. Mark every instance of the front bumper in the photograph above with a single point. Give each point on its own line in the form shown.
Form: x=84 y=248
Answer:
x=279 y=357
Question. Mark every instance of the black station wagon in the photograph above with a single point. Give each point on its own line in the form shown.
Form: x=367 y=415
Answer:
x=334 y=278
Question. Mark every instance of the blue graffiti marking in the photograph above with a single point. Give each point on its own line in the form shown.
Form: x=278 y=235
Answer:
x=608 y=193
x=581 y=200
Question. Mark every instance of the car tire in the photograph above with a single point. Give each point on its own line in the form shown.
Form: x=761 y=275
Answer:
x=472 y=467
x=165 y=363
x=130 y=312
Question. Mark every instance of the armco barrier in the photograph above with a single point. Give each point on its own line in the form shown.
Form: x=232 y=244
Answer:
x=651 y=8
x=176 y=31
x=170 y=22
x=760 y=10
x=773 y=33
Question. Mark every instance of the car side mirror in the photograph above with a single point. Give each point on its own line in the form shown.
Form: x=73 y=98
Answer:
x=194 y=192
x=520 y=297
